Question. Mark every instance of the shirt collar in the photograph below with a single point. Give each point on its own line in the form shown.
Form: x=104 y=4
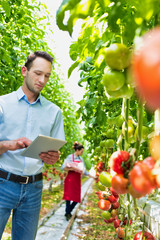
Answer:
x=21 y=95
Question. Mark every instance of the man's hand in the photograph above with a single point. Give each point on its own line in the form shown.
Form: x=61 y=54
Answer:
x=49 y=157
x=12 y=145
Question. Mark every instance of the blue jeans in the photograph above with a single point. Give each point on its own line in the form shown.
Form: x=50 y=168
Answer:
x=70 y=206
x=25 y=200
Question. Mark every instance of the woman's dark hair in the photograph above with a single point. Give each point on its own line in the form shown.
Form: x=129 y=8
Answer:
x=33 y=56
x=77 y=146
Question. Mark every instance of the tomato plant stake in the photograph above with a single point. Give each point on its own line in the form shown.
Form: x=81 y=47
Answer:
x=157 y=121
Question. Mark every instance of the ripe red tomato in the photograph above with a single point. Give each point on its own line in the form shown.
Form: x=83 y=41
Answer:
x=103 y=195
x=101 y=166
x=112 y=199
x=117 y=223
x=120 y=184
x=104 y=204
x=121 y=232
x=146 y=235
x=145 y=69
x=142 y=179
x=109 y=220
x=115 y=205
x=125 y=221
x=116 y=160
x=114 y=193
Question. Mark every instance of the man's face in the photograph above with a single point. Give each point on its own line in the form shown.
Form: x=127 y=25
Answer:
x=36 y=78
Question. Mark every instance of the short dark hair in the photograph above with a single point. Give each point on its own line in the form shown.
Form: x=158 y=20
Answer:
x=77 y=146
x=36 y=54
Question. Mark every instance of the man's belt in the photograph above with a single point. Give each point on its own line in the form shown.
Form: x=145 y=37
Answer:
x=20 y=179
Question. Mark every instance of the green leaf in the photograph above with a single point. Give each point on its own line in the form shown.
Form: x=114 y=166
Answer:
x=6 y=7
x=72 y=67
x=65 y=6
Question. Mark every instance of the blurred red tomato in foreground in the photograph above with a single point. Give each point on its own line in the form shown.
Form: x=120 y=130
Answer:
x=143 y=235
x=146 y=69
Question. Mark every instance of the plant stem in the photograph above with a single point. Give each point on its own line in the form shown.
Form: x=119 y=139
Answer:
x=126 y=113
x=139 y=128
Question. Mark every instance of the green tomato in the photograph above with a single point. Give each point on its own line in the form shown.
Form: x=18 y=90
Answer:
x=110 y=133
x=131 y=128
x=100 y=186
x=118 y=121
x=106 y=215
x=145 y=132
x=109 y=143
x=113 y=80
x=105 y=178
x=102 y=144
x=125 y=92
x=95 y=158
x=98 y=149
x=117 y=56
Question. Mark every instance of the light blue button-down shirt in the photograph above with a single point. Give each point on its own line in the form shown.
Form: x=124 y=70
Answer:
x=19 y=118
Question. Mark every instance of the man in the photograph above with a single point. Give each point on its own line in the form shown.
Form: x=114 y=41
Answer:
x=24 y=114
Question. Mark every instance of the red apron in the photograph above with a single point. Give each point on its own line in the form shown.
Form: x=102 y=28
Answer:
x=72 y=185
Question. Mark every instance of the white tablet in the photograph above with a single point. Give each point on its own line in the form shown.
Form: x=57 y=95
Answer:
x=42 y=144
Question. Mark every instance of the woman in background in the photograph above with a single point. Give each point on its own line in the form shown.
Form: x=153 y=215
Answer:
x=75 y=166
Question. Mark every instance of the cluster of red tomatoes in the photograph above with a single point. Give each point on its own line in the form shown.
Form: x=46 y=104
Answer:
x=126 y=176
x=137 y=178
x=108 y=202
x=52 y=171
